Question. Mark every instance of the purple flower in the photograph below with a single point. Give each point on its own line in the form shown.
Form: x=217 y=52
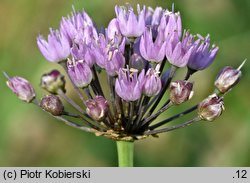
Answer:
x=160 y=20
x=74 y=23
x=80 y=73
x=86 y=35
x=153 y=16
x=202 y=55
x=150 y=50
x=129 y=85
x=130 y=25
x=99 y=50
x=22 y=88
x=56 y=49
x=113 y=30
x=97 y=108
x=83 y=52
x=171 y=22
x=115 y=61
x=178 y=52
x=108 y=55
x=152 y=83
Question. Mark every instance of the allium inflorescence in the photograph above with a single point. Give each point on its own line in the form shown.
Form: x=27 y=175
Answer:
x=139 y=53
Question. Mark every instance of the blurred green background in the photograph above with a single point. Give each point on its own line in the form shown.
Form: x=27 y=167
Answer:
x=29 y=137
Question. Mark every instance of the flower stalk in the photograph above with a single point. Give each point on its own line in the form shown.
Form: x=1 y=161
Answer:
x=125 y=151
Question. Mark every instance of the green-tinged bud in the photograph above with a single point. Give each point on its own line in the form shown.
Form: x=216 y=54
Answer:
x=211 y=108
x=52 y=104
x=97 y=108
x=53 y=81
x=180 y=91
x=227 y=78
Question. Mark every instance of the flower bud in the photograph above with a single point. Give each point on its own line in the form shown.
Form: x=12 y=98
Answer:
x=152 y=83
x=52 y=104
x=180 y=91
x=227 y=78
x=53 y=81
x=97 y=108
x=22 y=88
x=80 y=73
x=137 y=62
x=211 y=107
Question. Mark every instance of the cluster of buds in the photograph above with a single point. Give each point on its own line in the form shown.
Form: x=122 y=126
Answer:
x=139 y=54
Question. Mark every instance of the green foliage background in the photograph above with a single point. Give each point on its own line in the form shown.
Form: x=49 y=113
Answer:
x=29 y=137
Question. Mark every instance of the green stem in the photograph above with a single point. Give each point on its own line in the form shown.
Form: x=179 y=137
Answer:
x=125 y=152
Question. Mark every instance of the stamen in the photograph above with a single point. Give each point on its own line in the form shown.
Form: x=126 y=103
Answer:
x=6 y=75
x=242 y=64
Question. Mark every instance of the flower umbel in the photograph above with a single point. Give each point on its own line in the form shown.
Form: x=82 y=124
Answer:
x=125 y=74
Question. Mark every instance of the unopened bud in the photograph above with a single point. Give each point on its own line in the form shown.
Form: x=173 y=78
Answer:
x=137 y=62
x=211 y=107
x=97 y=108
x=53 y=81
x=22 y=88
x=52 y=104
x=227 y=78
x=180 y=91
